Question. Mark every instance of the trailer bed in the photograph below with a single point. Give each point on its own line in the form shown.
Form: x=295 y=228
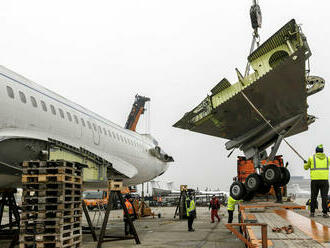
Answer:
x=307 y=232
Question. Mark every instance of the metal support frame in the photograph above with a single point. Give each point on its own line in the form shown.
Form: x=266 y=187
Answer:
x=90 y=229
x=9 y=231
x=108 y=238
x=264 y=240
x=179 y=206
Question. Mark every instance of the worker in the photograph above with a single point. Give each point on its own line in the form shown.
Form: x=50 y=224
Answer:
x=131 y=215
x=278 y=193
x=231 y=208
x=191 y=211
x=319 y=172
x=215 y=206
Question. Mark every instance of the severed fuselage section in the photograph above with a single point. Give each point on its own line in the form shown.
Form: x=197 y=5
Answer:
x=278 y=88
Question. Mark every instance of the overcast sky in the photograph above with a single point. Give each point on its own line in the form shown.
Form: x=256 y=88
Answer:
x=101 y=53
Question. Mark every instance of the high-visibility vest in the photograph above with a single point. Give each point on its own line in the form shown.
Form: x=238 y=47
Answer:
x=129 y=207
x=191 y=206
x=319 y=168
x=231 y=203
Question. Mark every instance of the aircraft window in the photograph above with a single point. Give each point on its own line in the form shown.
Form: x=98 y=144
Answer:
x=61 y=113
x=75 y=119
x=43 y=105
x=69 y=116
x=104 y=131
x=52 y=108
x=83 y=122
x=34 y=102
x=94 y=126
x=89 y=125
x=100 y=129
x=22 y=96
x=10 y=92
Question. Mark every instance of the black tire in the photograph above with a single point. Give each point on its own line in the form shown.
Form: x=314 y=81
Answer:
x=252 y=182
x=249 y=196
x=271 y=174
x=237 y=190
x=285 y=176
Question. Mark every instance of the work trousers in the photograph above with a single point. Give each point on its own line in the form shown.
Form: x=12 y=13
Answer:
x=190 y=221
x=128 y=229
x=230 y=216
x=316 y=186
x=278 y=193
x=214 y=212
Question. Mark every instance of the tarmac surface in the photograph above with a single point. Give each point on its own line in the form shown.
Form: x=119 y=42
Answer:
x=169 y=232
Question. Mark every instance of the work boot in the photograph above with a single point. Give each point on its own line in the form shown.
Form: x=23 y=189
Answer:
x=325 y=216
x=279 y=201
x=312 y=215
x=191 y=230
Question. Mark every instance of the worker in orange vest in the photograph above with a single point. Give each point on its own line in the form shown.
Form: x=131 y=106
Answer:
x=131 y=215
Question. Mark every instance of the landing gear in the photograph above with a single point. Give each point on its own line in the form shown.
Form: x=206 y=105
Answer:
x=257 y=176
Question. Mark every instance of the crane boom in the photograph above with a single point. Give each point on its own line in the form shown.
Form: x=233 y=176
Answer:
x=137 y=110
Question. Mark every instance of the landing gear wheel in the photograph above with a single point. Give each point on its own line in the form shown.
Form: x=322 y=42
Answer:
x=249 y=196
x=271 y=174
x=285 y=176
x=252 y=182
x=237 y=190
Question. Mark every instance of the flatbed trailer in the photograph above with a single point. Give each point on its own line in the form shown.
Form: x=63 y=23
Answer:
x=271 y=216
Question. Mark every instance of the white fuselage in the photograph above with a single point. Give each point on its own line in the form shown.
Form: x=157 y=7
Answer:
x=27 y=110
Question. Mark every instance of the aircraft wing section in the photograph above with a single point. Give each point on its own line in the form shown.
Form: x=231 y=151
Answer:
x=277 y=87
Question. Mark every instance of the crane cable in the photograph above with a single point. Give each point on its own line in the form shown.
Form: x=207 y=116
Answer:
x=255 y=26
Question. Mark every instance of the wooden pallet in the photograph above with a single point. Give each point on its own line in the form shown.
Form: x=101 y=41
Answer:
x=51 y=203
x=50 y=185
x=51 y=192
x=49 y=207
x=51 y=214
x=41 y=229
x=74 y=242
x=51 y=178
x=52 y=237
x=52 y=164
x=51 y=171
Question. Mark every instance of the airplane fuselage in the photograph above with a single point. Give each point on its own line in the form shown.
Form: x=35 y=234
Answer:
x=31 y=115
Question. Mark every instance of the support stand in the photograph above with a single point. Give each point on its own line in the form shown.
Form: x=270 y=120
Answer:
x=181 y=206
x=114 y=195
x=9 y=231
x=90 y=229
